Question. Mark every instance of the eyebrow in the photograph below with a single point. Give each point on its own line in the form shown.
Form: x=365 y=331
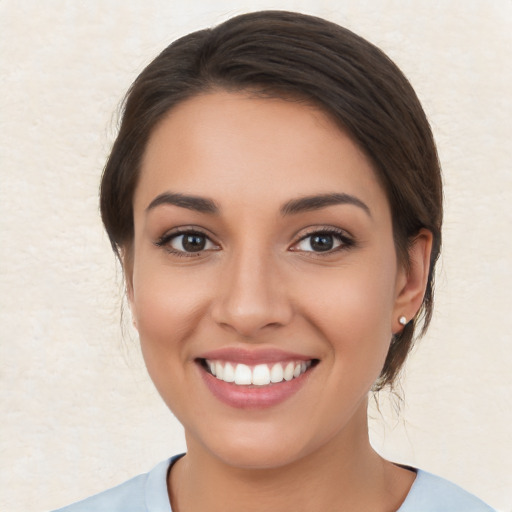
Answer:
x=317 y=202
x=294 y=206
x=198 y=204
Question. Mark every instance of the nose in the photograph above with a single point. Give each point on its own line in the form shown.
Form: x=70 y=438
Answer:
x=252 y=296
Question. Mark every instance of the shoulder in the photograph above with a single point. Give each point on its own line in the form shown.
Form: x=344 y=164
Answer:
x=128 y=497
x=431 y=493
x=146 y=492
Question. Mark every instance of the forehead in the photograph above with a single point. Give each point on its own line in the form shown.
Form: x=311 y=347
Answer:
x=231 y=146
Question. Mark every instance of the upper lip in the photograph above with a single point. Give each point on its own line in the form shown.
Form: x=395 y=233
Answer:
x=252 y=356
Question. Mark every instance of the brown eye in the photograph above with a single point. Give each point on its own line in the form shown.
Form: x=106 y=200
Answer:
x=191 y=242
x=321 y=242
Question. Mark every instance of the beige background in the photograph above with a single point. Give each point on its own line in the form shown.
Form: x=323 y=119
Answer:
x=78 y=411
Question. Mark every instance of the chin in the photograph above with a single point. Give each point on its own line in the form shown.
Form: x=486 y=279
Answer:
x=258 y=457
x=264 y=446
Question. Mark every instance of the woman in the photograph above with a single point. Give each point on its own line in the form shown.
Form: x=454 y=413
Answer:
x=274 y=196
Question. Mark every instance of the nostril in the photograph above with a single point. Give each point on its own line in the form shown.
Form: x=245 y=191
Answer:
x=247 y=319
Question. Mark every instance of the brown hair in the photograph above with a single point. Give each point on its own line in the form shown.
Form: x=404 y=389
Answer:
x=292 y=55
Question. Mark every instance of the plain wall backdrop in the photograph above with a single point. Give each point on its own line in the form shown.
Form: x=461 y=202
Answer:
x=79 y=413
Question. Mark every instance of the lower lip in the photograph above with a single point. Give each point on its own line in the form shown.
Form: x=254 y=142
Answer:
x=253 y=397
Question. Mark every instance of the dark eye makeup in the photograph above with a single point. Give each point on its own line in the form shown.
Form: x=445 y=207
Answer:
x=324 y=240
x=186 y=242
x=190 y=242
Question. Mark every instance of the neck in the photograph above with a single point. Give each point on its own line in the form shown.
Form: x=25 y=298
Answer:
x=345 y=471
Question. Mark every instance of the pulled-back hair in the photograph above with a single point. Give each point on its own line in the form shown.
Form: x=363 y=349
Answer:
x=290 y=55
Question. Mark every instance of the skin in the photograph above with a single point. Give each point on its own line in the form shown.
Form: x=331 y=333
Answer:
x=258 y=283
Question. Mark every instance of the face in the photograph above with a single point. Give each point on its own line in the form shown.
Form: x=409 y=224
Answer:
x=263 y=254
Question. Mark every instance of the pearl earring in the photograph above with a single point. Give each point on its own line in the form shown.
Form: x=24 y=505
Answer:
x=402 y=320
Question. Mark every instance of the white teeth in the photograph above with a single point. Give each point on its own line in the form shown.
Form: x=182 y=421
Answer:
x=288 y=371
x=261 y=375
x=243 y=374
x=219 y=370
x=229 y=373
x=276 y=374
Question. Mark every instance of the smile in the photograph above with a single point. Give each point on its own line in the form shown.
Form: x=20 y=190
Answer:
x=258 y=375
x=257 y=378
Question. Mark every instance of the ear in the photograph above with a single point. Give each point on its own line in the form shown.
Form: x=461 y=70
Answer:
x=412 y=280
x=126 y=257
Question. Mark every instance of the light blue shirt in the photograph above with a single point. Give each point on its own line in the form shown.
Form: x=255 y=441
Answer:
x=148 y=493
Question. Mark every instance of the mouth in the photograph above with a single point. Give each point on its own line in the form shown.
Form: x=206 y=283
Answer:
x=258 y=375
x=257 y=378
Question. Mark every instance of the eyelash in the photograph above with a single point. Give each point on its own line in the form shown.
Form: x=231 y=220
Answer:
x=341 y=236
x=166 y=239
x=346 y=241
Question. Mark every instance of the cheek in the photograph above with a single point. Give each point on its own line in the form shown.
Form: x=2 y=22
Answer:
x=353 y=312
x=168 y=305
